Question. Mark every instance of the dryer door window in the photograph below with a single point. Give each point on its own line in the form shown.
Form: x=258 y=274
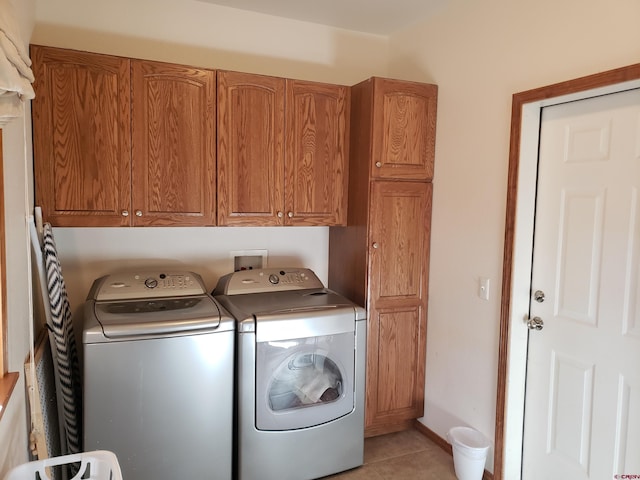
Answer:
x=304 y=382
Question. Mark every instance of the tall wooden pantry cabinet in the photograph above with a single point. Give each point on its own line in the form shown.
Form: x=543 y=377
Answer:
x=381 y=259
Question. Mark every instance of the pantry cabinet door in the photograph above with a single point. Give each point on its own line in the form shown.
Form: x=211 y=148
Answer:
x=404 y=128
x=399 y=255
x=173 y=146
x=316 y=158
x=81 y=137
x=250 y=149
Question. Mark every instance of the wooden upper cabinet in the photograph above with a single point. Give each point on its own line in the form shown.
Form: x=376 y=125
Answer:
x=403 y=129
x=250 y=149
x=81 y=136
x=125 y=142
x=282 y=151
x=173 y=144
x=120 y=142
x=316 y=154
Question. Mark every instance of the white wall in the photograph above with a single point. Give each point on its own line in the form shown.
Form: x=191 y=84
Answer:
x=202 y=34
x=480 y=54
x=16 y=154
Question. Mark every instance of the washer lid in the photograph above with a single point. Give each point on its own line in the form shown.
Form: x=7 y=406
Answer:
x=157 y=316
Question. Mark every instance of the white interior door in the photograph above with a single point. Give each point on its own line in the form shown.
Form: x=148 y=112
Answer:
x=582 y=410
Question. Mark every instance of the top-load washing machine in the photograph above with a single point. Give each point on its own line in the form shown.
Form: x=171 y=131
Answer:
x=300 y=372
x=158 y=376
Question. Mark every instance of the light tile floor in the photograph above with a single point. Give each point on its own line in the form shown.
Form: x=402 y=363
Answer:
x=407 y=455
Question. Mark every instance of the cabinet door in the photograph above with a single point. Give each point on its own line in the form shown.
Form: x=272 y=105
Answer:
x=399 y=257
x=250 y=149
x=173 y=147
x=81 y=133
x=316 y=154
x=404 y=127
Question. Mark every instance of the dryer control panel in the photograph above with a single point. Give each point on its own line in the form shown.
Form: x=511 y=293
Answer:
x=263 y=280
x=149 y=284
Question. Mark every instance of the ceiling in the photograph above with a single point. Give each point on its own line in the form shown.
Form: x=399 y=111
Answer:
x=381 y=17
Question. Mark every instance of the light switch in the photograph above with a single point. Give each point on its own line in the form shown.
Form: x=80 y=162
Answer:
x=483 y=288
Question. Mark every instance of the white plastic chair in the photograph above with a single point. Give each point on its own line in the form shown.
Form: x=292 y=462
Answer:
x=101 y=465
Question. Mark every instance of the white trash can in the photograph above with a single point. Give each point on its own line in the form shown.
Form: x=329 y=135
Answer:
x=469 y=452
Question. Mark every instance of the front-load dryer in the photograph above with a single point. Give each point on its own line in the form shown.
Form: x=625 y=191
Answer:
x=158 y=376
x=300 y=375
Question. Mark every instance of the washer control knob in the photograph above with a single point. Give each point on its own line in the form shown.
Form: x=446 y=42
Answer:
x=274 y=279
x=151 y=283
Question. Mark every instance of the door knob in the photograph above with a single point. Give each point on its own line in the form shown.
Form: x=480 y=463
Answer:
x=535 y=323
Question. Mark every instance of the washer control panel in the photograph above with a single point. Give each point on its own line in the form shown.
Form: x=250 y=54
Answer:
x=263 y=280
x=151 y=284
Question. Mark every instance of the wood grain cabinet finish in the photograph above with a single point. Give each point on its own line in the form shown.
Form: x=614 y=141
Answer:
x=399 y=234
x=282 y=151
x=403 y=131
x=250 y=149
x=81 y=137
x=120 y=142
x=381 y=259
x=316 y=153
x=173 y=145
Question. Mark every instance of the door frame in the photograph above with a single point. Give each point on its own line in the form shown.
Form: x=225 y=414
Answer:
x=526 y=110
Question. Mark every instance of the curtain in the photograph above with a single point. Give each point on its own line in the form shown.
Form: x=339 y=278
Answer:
x=16 y=76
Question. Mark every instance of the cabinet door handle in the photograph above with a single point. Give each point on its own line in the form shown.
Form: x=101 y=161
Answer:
x=378 y=164
x=290 y=214
x=375 y=245
x=280 y=214
x=125 y=213
x=138 y=213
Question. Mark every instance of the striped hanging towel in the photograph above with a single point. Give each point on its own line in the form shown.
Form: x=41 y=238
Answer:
x=66 y=351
